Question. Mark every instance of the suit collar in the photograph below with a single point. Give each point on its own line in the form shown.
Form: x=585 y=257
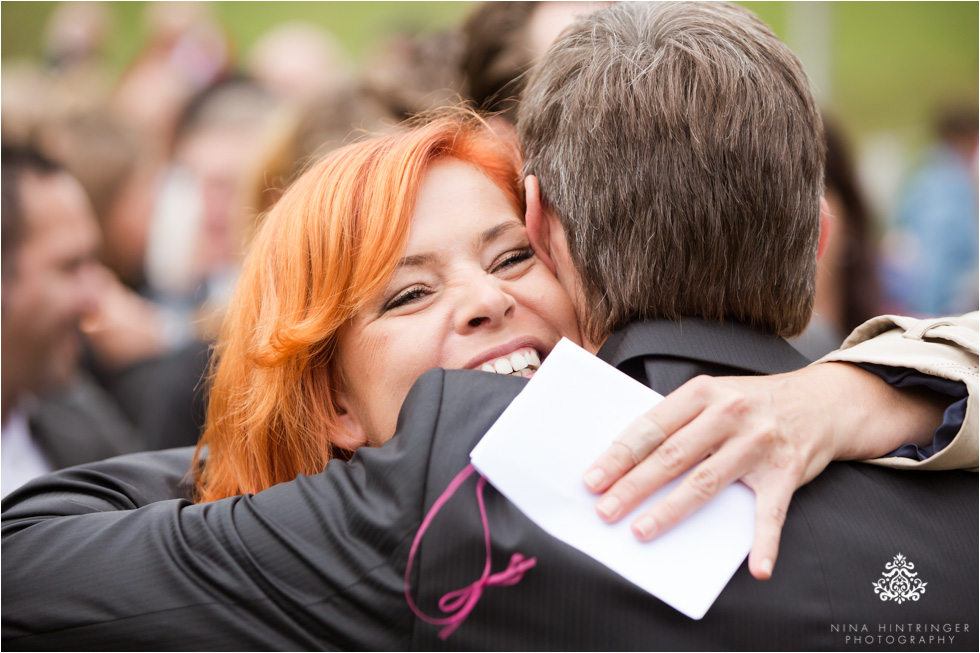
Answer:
x=728 y=343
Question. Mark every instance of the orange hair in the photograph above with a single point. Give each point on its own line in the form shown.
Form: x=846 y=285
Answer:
x=325 y=249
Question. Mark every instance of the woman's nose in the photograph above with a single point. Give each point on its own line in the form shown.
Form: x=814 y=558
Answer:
x=483 y=303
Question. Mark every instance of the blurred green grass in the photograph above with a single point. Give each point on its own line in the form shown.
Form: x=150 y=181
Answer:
x=358 y=25
x=890 y=63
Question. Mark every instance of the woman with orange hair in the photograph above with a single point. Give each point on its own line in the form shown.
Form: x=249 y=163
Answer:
x=385 y=259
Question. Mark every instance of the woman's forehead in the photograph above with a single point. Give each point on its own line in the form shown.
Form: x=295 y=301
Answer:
x=457 y=200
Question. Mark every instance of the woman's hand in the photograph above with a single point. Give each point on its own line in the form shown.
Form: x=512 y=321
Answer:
x=773 y=433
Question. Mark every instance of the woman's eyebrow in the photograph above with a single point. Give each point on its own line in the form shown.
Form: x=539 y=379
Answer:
x=495 y=232
x=415 y=260
x=491 y=234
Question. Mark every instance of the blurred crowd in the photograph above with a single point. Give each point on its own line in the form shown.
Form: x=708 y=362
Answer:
x=128 y=202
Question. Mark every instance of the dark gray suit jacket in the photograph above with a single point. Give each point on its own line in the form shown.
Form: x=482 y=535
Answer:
x=319 y=562
x=80 y=424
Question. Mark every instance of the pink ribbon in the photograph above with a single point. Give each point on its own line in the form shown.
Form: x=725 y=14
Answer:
x=462 y=601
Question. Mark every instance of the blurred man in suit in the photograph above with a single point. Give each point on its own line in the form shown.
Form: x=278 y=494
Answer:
x=50 y=286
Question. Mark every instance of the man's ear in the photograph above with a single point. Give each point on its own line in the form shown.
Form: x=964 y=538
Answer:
x=826 y=225
x=538 y=223
x=351 y=435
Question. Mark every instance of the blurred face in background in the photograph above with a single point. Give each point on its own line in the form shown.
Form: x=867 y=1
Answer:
x=52 y=284
x=218 y=158
x=125 y=229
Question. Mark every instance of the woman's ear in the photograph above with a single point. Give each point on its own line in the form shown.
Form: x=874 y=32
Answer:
x=351 y=434
x=826 y=225
x=537 y=223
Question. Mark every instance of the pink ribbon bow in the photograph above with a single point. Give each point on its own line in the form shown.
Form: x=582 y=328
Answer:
x=462 y=601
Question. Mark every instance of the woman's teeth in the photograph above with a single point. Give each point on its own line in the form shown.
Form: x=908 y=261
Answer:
x=520 y=363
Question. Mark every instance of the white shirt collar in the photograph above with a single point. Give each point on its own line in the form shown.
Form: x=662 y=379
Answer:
x=20 y=458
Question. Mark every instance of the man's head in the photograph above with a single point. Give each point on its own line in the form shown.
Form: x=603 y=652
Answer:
x=680 y=149
x=49 y=241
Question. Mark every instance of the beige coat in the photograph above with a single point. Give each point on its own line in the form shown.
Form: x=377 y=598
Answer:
x=945 y=347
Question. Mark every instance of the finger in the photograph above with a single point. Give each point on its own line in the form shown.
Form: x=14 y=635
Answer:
x=678 y=454
x=700 y=486
x=646 y=432
x=609 y=466
x=771 y=506
x=641 y=437
x=630 y=447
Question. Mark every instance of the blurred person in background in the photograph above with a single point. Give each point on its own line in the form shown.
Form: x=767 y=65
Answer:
x=75 y=43
x=52 y=416
x=501 y=40
x=295 y=137
x=847 y=283
x=193 y=247
x=300 y=136
x=27 y=99
x=495 y=56
x=413 y=72
x=72 y=76
x=120 y=174
x=931 y=253
x=299 y=62
x=186 y=51
x=153 y=380
x=129 y=369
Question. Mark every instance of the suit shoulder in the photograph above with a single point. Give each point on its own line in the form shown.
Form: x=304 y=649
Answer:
x=470 y=403
x=477 y=398
x=457 y=390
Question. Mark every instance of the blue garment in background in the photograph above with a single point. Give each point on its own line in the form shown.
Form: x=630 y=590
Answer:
x=932 y=267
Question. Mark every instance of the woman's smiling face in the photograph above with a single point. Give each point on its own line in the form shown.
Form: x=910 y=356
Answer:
x=468 y=293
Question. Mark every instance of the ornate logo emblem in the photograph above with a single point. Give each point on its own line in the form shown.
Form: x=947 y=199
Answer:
x=899 y=583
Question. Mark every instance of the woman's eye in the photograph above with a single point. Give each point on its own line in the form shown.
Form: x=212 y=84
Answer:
x=510 y=259
x=409 y=296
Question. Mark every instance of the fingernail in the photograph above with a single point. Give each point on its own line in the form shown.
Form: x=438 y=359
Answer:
x=766 y=566
x=609 y=507
x=594 y=478
x=645 y=527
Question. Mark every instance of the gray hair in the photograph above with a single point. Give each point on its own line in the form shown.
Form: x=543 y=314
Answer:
x=681 y=149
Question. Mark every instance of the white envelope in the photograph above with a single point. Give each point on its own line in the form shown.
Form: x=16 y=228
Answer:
x=539 y=448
